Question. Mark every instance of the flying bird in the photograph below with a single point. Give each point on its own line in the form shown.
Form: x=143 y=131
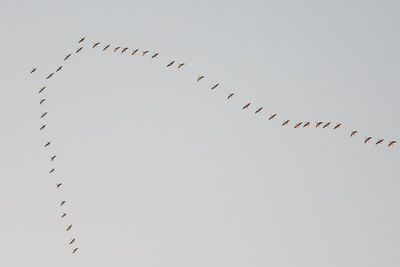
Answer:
x=155 y=55
x=181 y=65
x=298 y=125
x=123 y=50
x=50 y=75
x=33 y=70
x=200 y=77
x=59 y=68
x=95 y=44
x=272 y=117
x=42 y=89
x=214 y=86
x=337 y=126
x=67 y=57
x=47 y=144
x=53 y=158
x=41 y=101
x=62 y=203
x=306 y=124
x=134 y=51
x=170 y=64
x=145 y=52
x=246 y=106
x=58 y=185
x=367 y=139
x=379 y=141
x=52 y=170
x=258 y=110
x=79 y=50
x=44 y=114
x=230 y=95
x=64 y=214
x=81 y=40
x=43 y=126
x=326 y=124
x=75 y=249
x=353 y=133
x=72 y=241
x=106 y=47
x=286 y=122
x=318 y=124
x=391 y=143
x=69 y=227
x=116 y=49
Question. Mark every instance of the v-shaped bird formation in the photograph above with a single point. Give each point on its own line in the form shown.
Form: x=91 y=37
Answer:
x=199 y=78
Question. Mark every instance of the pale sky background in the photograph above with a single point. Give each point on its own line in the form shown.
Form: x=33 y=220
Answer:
x=159 y=171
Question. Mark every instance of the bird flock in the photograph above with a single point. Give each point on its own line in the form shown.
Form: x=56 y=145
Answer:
x=246 y=105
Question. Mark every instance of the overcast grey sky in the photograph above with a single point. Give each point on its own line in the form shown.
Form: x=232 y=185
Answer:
x=159 y=170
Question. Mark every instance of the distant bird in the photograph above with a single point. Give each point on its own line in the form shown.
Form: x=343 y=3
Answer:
x=246 y=106
x=318 y=124
x=79 y=50
x=379 y=141
x=64 y=214
x=200 y=77
x=75 y=249
x=326 y=124
x=67 y=57
x=50 y=75
x=353 y=133
x=69 y=227
x=286 y=122
x=298 y=125
x=337 y=126
x=391 y=143
x=258 y=110
x=95 y=44
x=306 y=124
x=81 y=40
x=134 y=51
x=43 y=126
x=58 y=185
x=72 y=241
x=44 y=114
x=145 y=52
x=155 y=55
x=272 y=117
x=52 y=170
x=123 y=50
x=42 y=89
x=33 y=70
x=42 y=100
x=116 y=49
x=62 y=203
x=214 y=86
x=47 y=144
x=367 y=139
x=53 y=158
x=181 y=65
x=106 y=47
x=170 y=64
x=230 y=95
x=59 y=68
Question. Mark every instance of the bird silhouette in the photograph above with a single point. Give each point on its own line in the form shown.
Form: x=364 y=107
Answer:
x=337 y=126
x=64 y=214
x=123 y=50
x=326 y=125
x=379 y=141
x=33 y=70
x=59 y=68
x=50 y=75
x=43 y=126
x=318 y=124
x=106 y=47
x=230 y=95
x=272 y=117
x=47 y=144
x=58 y=185
x=391 y=143
x=246 y=106
x=62 y=203
x=200 y=77
x=42 y=89
x=75 y=249
x=72 y=241
x=69 y=227
x=298 y=125
x=53 y=158
x=81 y=40
x=286 y=122
x=134 y=51
x=95 y=44
x=170 y=64
x=79 y=50
x=145 y=52
x=43 y=115
x=116 y=49
x=52 y=170
x=155 y=55
x=41 y=101
x=67 y=57
x=306 y=124
x=353 y=133
x=258 y=110
x=214 y=86
x=181 y=65
x=367 y=139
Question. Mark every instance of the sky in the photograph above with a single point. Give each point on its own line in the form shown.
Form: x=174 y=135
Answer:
x=159 y=170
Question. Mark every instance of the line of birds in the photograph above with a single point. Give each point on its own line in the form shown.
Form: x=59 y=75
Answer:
x=199 y=78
